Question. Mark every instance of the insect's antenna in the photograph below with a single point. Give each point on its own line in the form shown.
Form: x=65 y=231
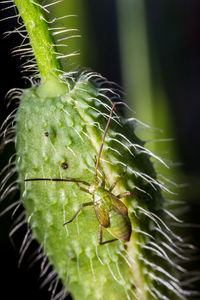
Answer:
x=103 y=139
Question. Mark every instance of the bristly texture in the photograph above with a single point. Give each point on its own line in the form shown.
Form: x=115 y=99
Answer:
x=59 y=137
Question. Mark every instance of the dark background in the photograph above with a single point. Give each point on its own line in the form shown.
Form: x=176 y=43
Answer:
x=175 y=32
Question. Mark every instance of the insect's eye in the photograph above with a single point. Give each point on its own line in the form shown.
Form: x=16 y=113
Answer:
x=100 y=184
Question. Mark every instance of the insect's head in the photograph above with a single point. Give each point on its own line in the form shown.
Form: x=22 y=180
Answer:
x=95 y=186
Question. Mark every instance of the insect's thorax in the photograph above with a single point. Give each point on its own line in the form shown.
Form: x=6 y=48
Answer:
x=100 y=194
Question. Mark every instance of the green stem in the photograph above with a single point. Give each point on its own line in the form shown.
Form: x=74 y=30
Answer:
x=135 y=60
x=42 y=42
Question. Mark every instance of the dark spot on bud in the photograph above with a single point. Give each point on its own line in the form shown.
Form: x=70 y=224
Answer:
x=46 y=133
x=74 y=259
x=64 y=165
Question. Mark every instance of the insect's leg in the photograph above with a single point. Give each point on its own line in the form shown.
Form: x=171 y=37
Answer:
x=125 y=194
x=82 y=189
x=118 y=179
x=58 y=179
x=82 y=206
x=100 y=237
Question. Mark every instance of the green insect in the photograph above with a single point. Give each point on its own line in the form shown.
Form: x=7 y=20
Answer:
x=111 y=212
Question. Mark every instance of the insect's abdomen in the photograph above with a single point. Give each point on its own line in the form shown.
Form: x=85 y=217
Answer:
x=120 y=226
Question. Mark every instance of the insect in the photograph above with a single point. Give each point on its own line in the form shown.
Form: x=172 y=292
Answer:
x=111 y=212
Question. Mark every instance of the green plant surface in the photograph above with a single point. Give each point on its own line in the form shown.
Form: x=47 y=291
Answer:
x=74 y=250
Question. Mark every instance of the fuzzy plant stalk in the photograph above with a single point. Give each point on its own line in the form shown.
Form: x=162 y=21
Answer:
x=59 y=124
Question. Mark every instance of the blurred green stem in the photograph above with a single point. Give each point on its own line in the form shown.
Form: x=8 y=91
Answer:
x=135 y=58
